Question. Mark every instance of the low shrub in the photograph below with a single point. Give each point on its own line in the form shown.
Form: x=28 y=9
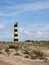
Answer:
x=13 y=47
x=26 y=56
x=1 y=52
x=17 y=54
x=25 y=52
x=33 y=56
x=7 y=50
x=37 y=54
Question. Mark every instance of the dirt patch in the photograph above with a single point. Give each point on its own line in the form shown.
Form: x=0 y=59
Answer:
x=19 y=61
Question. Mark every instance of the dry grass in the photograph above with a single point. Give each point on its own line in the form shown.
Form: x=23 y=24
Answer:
x=32 y=50
x=15 y=53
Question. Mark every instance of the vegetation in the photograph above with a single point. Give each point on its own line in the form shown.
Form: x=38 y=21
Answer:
x=26 y=56
x=37 y=54
x=27 y=49
x=17 y=54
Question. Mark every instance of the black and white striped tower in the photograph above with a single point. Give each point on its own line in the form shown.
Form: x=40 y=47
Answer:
x=16 y=32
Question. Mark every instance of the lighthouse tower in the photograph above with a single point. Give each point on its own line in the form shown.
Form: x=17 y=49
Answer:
x=16 y=32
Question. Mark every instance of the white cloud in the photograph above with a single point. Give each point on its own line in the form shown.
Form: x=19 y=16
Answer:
x=2 y=26
x=6 y=35
x=37 y=31
x=5 y=32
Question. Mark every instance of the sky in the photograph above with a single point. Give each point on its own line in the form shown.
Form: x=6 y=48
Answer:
x=32 y=17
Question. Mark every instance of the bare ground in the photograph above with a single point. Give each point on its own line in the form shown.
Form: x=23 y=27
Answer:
x=12 y=60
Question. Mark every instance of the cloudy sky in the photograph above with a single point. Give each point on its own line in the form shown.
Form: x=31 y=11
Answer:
x=32 y=17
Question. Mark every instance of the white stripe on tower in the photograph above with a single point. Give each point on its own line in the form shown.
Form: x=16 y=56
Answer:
x=16 y=32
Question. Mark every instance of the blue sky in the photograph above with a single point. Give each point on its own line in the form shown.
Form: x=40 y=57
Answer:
x=32 y=17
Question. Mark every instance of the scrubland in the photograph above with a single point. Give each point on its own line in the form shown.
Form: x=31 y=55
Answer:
x=28 y=51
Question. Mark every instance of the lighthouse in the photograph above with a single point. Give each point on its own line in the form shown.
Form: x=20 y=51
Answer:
x=16 y=32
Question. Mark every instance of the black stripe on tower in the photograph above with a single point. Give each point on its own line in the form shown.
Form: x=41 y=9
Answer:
x=15 y=39
x=15 y=34
x=15 y=30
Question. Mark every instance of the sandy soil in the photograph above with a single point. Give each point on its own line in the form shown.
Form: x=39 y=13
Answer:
x=17 y=60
